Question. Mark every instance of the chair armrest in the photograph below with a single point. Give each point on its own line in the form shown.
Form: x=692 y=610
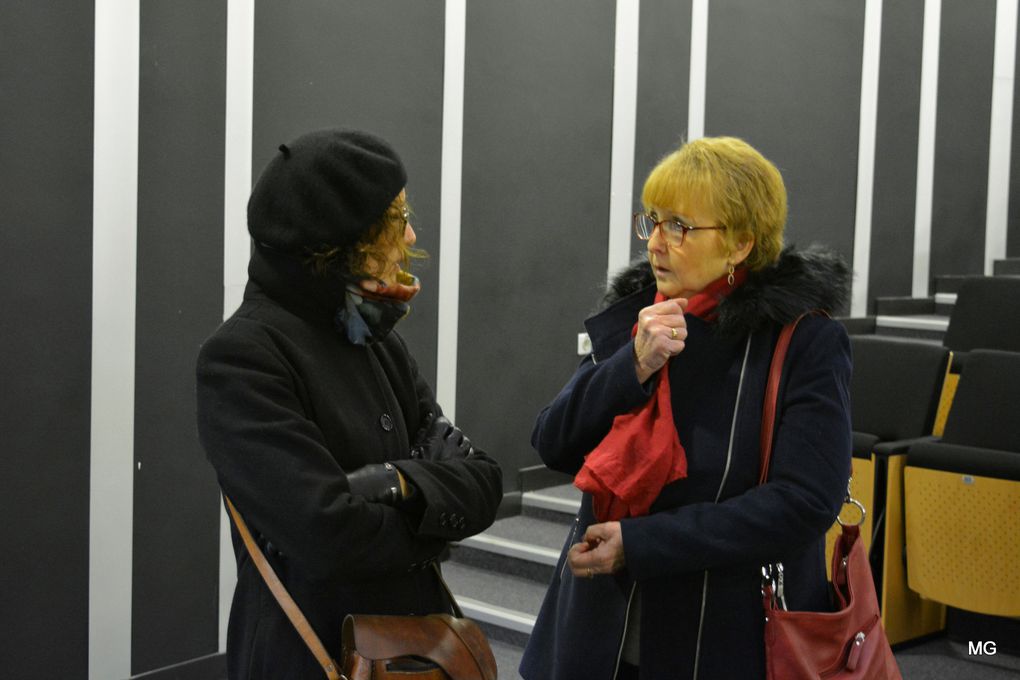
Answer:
x=900 y=446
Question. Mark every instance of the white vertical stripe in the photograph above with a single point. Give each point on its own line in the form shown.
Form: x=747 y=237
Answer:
x=699 y=69
x=449 y=206
x=621 y=167
x=236 y=244
x=866 y=156
x=1001 y=132
x=114 y=249
x=926 y=146
x=237 y=152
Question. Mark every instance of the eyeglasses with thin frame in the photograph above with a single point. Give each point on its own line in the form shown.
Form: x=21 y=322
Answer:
x=673 y=229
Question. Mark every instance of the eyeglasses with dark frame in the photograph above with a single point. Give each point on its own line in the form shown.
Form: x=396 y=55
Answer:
x=673 y=229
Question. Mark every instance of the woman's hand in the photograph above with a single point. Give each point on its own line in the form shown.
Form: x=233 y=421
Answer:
x=601 y=551
x=661 y=332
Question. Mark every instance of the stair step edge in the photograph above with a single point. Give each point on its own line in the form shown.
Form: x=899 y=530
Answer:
x=511 y=548
x=536 y=499
x=913 y=322
x=496 y=615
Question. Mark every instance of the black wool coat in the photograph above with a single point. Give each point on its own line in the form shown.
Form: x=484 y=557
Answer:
x=698 y=554
x=286 y=407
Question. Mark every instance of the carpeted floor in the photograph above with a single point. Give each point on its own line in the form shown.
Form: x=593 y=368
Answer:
x=940 y=659
x=936 y=659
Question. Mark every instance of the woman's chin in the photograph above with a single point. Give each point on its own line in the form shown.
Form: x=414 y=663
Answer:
x=667 y=288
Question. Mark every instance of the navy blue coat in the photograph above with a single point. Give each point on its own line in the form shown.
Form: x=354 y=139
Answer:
x=698 y=554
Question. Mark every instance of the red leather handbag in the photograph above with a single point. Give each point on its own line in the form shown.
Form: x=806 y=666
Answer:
x=846 y=643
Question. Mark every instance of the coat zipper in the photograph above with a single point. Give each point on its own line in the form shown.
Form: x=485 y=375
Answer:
x=570 y=542
x=718 y=494
x=623 y=636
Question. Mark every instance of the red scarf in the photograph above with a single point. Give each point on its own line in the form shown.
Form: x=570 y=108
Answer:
x=642 y=452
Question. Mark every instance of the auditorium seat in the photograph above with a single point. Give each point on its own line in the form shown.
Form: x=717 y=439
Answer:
x=894 y=395
x=984 y=317
x=963 y=495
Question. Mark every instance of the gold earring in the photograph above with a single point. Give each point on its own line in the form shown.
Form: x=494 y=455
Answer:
x=729 y=278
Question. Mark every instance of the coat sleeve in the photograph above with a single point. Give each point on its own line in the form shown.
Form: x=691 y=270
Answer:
x=806 y=486
x=272 y=461
x=460 y=497
x=582 y=413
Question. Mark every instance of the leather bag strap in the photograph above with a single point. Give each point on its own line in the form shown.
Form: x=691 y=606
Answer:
x=287 y=603
x=768 y=414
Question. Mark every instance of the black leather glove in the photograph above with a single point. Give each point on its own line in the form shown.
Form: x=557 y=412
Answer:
x=442 y=441
x=378 y=482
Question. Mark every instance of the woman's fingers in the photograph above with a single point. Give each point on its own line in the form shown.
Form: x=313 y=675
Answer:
x=600 y=553
x=661 y=333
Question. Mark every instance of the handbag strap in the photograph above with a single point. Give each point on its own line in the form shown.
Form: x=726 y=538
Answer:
x=287 y=603
x=454 y=607
x=768 y=413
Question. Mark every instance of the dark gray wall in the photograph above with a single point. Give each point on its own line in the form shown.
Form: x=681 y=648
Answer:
x=664 y=80
x=895 y=181
x=175 y=612
x=538 y=98
x=962 y=126
x=786 y=76
x=375 y=66
x=46 y=85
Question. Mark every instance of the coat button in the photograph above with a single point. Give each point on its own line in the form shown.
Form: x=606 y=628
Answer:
x=386 y=421
x=442 y=519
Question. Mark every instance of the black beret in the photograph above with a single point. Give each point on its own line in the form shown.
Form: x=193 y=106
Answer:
x=324 y=188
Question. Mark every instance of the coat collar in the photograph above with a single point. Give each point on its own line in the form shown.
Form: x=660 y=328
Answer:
x=800 y=281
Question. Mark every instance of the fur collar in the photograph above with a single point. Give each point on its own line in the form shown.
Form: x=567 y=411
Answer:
x=800 y=281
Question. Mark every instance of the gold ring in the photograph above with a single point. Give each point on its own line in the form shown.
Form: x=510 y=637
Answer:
x=591 y=574
x=674 y=332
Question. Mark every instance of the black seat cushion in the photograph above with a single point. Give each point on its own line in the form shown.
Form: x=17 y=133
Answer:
x=895 y=386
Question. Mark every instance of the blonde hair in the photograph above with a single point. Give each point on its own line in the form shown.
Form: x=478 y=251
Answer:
x=732 y=180
x=371 y=252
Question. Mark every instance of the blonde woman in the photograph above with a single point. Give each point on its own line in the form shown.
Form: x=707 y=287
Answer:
x=661 y=577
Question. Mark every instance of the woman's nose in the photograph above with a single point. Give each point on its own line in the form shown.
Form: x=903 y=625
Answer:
x=656 y=243
x=409 y=236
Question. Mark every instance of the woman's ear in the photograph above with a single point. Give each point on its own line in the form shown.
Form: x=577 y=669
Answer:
x=741 y=249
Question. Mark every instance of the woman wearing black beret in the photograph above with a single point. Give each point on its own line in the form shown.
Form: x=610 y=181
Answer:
x=661 y=578
x=315 y=417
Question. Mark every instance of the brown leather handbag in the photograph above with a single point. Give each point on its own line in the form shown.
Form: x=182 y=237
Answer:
x=846 y=643
x=375 y=647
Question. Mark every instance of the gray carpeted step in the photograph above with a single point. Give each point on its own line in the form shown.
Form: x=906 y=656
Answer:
x=554 y=503
x=902 y=306
x=944 y=303
x=508 y=658
x=523 y=546
x=506 y=603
